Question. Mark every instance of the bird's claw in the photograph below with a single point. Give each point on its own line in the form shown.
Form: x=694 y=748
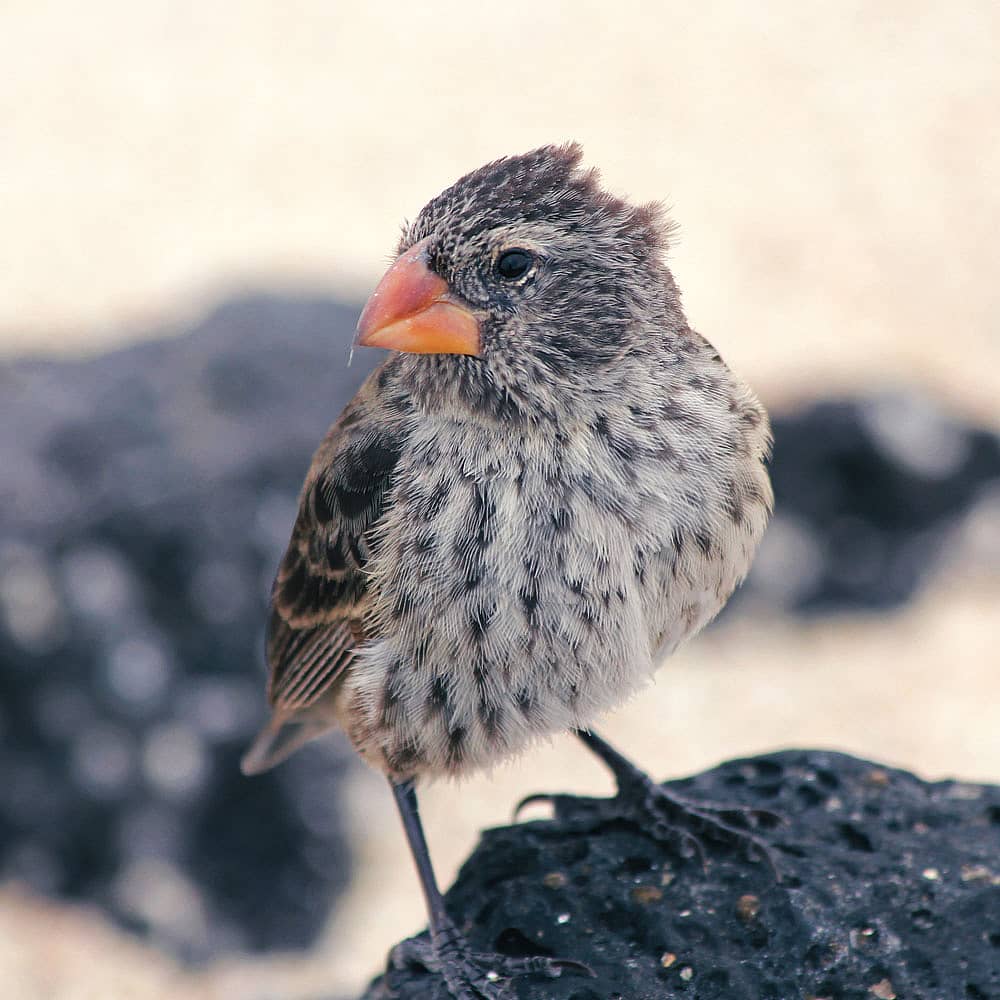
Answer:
x=561 y=804
x=673 y=819
x=667 y=819
x=472 y=975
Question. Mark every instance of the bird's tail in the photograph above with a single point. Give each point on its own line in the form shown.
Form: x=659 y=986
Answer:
x=280 y=738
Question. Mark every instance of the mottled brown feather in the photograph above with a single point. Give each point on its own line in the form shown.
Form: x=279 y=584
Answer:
x=319 y=597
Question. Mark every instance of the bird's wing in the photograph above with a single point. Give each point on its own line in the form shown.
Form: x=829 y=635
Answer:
x=319 y=596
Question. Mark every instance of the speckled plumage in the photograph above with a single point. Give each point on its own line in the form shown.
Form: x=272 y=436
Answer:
x=493 y=549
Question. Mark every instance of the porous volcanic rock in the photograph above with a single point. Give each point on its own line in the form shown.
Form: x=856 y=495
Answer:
x=890 y=888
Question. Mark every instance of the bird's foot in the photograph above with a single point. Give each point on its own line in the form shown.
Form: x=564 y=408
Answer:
x=665 y=817
x=472 y=975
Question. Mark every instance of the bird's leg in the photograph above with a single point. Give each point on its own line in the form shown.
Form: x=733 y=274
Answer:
x=469 y=975
x=660 y=813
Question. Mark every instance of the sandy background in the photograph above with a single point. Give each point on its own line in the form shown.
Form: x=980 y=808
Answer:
x=835 y=170
x=834 y=167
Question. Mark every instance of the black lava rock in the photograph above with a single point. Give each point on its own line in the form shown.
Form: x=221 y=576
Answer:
x=145 y=501
x=890 y=887
x=868 y=495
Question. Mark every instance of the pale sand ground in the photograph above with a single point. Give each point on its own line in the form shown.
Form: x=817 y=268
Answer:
x=836 y=174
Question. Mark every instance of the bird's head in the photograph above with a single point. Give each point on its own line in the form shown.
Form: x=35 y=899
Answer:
x=526 y=274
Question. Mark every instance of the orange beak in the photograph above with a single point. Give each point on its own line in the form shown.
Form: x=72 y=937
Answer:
x=412 y=310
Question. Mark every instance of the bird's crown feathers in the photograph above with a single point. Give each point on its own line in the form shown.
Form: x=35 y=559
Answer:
x=547 y=184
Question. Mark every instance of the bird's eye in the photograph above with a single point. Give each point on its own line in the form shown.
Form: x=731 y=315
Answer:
x=514 y=264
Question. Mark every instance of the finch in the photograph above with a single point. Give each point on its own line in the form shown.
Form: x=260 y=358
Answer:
x=550 y=484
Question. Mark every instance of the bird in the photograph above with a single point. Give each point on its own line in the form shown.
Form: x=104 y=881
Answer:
x=550 y=483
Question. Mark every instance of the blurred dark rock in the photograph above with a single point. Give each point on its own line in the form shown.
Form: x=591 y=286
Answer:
x=145 y=499
x=869 y=495
x=890 y=888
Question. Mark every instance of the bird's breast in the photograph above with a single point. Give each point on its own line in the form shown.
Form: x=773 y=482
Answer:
x=505 y=601
x=524 y=582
